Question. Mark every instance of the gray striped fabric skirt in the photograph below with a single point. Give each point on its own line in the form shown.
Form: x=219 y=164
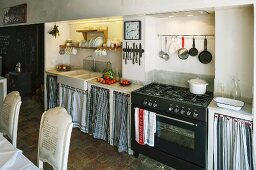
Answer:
x=98 y=113
x=121 y=121
x=52 y=91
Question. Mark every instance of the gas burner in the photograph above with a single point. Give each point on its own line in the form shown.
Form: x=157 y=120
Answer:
x=174 y=93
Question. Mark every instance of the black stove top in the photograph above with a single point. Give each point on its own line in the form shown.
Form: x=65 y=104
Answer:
x=168 y=99
x=175 y=93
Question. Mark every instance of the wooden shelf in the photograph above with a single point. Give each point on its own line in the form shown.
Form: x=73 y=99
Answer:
x=92 y=48
x=103 y=31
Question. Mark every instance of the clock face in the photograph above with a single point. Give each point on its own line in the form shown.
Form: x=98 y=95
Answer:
x=132 y=30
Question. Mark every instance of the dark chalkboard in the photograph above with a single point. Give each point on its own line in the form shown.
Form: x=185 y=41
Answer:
x=24 y=44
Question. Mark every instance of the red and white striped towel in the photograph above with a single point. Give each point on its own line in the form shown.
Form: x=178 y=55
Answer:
x=145 y=126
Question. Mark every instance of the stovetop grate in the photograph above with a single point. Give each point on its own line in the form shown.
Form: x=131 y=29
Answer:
x=175 y=93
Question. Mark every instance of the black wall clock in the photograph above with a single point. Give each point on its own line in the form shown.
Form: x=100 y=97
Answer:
x=132 y=30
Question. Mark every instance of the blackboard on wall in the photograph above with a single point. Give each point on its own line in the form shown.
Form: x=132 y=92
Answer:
x=24 y=44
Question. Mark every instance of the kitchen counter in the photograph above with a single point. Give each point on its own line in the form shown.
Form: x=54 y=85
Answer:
x=54 y=71
x=116 y=86
x=244 y=113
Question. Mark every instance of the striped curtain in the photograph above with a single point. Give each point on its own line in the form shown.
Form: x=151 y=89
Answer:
x=52 y=91
x=98 y=110
x=121 y=121
x=74 y=101
x=232 y=143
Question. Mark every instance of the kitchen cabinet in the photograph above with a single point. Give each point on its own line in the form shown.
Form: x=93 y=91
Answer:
x=121 y=121
x=219 y=115
x=3 y=89
x=232 y=143
x=20 y=81
x=51 y=91
x=74 y=100
x=119 y=102
x=99 y=113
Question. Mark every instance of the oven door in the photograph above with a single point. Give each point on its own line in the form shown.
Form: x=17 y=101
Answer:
x=182 y=138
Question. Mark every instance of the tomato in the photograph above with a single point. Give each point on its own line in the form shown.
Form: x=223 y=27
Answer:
x=103 y=81
x=106 y=77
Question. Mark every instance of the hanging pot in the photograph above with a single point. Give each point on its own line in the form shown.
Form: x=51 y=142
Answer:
x=193 y=51
x=205 y=56
x=183 y=52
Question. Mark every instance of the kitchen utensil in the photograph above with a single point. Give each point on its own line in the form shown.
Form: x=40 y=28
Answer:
x=197 y=86
x=161 y=52
x=104 y=52
x=229 y=103
x=124 y=51
x=137 y=52
x=133 y=53
x=171 y=48
x=205 y=56
x=183 y=52
x=165 y=56
x=193 y=51
x=130 y=53
x=140 y=53
x=74 y=51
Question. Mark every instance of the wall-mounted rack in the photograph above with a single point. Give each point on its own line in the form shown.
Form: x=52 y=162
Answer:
x=186 y=35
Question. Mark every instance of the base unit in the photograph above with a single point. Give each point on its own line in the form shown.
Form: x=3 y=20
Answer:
x=162 y=157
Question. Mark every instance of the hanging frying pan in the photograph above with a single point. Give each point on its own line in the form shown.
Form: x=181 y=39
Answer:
x=183 y=52
x=193 y=51
x=205 y=56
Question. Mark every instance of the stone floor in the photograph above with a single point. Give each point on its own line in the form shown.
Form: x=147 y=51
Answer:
x=85 y=152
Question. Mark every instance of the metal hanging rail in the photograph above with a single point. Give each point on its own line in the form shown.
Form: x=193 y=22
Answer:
x=186 y=35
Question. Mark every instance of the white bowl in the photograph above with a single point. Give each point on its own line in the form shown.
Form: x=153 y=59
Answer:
x=228 y=103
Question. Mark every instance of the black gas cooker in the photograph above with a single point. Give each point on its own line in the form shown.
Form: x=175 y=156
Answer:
x=173 y=100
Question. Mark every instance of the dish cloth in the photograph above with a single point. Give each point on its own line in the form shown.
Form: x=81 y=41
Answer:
x=145 y=126
x=150 y=127
x=139 y=125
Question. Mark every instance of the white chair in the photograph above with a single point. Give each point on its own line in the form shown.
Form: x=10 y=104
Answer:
x=9 y=116
x=54 y=138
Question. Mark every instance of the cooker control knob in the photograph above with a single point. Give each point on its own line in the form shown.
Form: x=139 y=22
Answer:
x=195 y=114
x=182 y=111
x=189 y=113
x=176 y=110
x=145 y=102
x=154 y=105
x=149 y=104
x=170 y=108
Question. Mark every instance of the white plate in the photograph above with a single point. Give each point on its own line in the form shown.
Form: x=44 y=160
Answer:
x=91 y=43
x=98 y=42
x=229 y=103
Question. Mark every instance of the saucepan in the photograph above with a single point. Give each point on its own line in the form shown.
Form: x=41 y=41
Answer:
x=183 y=52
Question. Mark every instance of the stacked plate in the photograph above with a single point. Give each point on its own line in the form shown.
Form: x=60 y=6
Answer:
x=94 y=42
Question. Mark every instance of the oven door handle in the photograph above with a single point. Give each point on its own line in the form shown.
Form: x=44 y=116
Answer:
x=177 y=120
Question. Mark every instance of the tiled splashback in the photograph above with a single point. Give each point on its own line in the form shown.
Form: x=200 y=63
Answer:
x=177 y=78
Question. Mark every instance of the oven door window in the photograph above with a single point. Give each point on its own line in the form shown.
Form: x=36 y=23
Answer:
x=183 y=138
x=175 y=134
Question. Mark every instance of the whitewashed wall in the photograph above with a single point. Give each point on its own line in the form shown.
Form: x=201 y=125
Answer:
x=52 y=56
x=59 y=10
x=132 y=71
x=196 y=25
x=234 y=49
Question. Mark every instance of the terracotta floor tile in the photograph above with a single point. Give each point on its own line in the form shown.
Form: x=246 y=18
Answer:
x=86 y=153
